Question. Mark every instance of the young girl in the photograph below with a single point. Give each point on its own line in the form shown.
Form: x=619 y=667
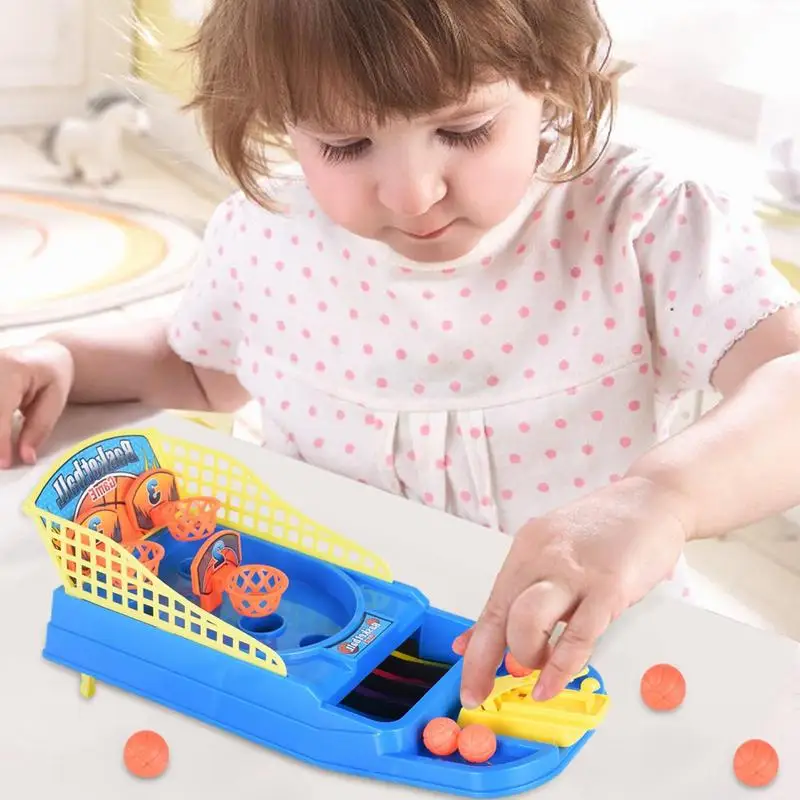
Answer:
x=467 y=296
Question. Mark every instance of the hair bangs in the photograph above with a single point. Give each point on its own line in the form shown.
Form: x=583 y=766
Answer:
x=348 y=65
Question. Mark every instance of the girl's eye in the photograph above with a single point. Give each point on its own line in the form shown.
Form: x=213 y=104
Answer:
x=337 y=154
x=469 y=139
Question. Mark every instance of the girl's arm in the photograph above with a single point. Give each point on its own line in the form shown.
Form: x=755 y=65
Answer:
x=741 y=461
x=130 y=362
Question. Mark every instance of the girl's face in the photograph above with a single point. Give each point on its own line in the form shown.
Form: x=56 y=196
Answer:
x=429 y=187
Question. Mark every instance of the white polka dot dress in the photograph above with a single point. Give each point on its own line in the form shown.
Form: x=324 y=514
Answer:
x=496 y=387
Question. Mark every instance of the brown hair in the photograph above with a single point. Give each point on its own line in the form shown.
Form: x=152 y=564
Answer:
x=265 y=64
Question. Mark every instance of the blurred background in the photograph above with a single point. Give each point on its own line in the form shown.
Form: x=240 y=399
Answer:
x=106 y=185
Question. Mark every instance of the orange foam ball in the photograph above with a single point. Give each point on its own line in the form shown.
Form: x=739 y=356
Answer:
x=663 y=687
x=755 y=763
x=477 y=743
x=515 y=669
x=440 y=736
x=146 y=754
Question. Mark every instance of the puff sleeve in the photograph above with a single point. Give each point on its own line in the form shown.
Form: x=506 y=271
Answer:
x=207 y=327
x=707 y=280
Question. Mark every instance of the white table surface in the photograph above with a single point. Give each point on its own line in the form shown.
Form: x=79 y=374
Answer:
x=742 y=683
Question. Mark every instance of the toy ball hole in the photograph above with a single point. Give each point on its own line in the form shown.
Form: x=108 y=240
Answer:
x=262 y=625
x=185 y=568
x=312 y=639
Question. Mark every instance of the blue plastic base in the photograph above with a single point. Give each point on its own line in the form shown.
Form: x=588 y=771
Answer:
x=280 y=713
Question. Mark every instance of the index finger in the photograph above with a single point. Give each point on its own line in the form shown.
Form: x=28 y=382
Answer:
x=9 y=403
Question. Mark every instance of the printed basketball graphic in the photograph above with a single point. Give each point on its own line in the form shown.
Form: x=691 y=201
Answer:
x=150 y=490
x=107 y=499
x=106 y=521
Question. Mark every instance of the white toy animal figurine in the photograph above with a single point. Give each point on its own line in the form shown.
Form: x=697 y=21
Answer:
x=90 y=147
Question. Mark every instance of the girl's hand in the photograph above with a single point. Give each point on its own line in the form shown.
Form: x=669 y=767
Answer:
x=36 y=381
x=583 y=564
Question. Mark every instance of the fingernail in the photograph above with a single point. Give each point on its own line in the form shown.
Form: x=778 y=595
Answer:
x=468 y=700
x=29 y=455
x=539 y=691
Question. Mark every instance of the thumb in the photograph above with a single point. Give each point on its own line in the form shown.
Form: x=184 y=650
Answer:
x=461 y=642
x=41 y=415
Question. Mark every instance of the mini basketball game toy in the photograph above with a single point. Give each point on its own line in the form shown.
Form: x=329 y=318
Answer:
x=181 y=568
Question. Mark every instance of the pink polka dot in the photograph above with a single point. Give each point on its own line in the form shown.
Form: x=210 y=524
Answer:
x=576 y=272
x=587 y=449
x=543 y=339
x=600 y=200
x=529 y=373
x=597 y=416
x=515 y=458
x=349 y=449
x=443 y=463
x=367 y=348
x=524 y=427
x=216 y=316
x=598 y=358
x=320 y=366
x=280 y=325
x=637 y=349
x=610 y=323
x=428 y=497
x=475 y=433
x=702 y=347
x=570 y=214
x=561 y=423
x=492 y=380
x=489 y=431
x=433 y=358
x=521 y=249
x=507 y=494
x=381 y=383
x=335 y=340
x=465 y=292
x=524 y=312
x=730 y=323
x=728 y=288
x=625 y=441
x=312 y=411
x=555 y=244
x=563 y=365
x=419 y=388
x=319 y=442
x=468 y=355
x=401 y=354
x=560 y=305
x=507 y=347
x=543 y=487
x=649 y=238
x=340 y=415
x=486 y=319
x=608 y=381
x=465 y=496
x=365 y=287
x=411 y=455
x=306 y=333
x=384 y=318
x=486 y=501
x=455 y=386
x=322 y=306
x=579 y=483
x=428 y=294
x=599 y=260
x=675 y=256
x=585 y=295
x=447 y=325
x=254 y=368
x=285 y=405
x=350 y=375
x=551 y=454
x=501 y=285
